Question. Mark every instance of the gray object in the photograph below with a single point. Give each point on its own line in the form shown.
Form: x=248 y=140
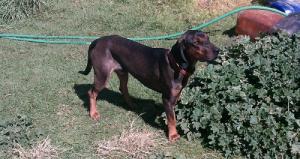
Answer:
x=289 y=24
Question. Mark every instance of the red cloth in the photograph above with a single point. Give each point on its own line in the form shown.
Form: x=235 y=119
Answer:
x=254 y=22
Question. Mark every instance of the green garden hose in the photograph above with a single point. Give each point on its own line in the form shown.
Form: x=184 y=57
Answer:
x=41 y=40
x=76 y=39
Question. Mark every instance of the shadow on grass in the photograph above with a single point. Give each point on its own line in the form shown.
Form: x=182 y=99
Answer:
x=230 y=32
x=148 y=108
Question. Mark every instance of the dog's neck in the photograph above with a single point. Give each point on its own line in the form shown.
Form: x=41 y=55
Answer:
x=182 y=63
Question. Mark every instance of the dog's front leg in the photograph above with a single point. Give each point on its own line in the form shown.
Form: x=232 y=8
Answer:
x=169 y=102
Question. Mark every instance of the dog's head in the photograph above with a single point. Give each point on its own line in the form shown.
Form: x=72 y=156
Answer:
x=196 y=46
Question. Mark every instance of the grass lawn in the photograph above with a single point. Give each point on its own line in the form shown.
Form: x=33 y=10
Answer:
x=42 y=81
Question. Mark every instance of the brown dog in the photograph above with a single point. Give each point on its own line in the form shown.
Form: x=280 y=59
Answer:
x=165 y=71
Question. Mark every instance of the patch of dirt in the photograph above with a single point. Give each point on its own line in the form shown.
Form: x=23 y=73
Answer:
x=41 y=150
x=132 y=143
x=222 y=6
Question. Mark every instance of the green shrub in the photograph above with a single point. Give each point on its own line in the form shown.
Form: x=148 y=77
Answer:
x=249 y=104
x=18 y=9
x=19 y=130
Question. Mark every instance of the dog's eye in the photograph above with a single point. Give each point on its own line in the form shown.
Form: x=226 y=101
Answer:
x=196 y=43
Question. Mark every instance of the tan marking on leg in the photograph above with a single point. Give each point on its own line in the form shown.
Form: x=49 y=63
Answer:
x=93 y=104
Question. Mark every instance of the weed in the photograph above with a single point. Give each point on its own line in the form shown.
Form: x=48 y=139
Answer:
x=16 y=131
x=249 y=103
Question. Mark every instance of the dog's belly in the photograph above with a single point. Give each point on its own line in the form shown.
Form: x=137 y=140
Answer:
x=150 y=80
x=146 y=67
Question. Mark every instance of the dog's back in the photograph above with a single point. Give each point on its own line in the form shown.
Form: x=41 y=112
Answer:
x=142 y=62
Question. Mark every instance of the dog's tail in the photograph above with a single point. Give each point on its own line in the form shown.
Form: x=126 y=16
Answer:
x=89 y=62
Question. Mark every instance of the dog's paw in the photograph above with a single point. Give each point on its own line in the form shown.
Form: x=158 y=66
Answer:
x=95 y=115
x=174 y=137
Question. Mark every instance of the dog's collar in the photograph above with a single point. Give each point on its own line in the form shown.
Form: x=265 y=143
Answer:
x=182 y=70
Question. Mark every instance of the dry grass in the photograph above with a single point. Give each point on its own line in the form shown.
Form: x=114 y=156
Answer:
x=11 y=10
x=132 y=143
x=41 y=150
x=222 y=6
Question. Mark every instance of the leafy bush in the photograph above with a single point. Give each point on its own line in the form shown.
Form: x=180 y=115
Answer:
x=15 y=131
x=249 y=104
x=17 y=9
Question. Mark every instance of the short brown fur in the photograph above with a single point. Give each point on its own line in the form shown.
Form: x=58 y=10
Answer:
x=163 y=70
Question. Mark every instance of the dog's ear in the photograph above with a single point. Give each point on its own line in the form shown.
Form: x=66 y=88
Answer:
x=186 y=38
x=180 y=44
x=181 y=41
x=182 y=38
x=178 y=51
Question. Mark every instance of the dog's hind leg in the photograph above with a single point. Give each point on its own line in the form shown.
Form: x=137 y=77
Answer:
x=93 y=93
x=123 y=77
x=99 y=84
x=102 y=74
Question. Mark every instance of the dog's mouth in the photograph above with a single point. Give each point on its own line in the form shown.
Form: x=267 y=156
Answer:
x=214 y=55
